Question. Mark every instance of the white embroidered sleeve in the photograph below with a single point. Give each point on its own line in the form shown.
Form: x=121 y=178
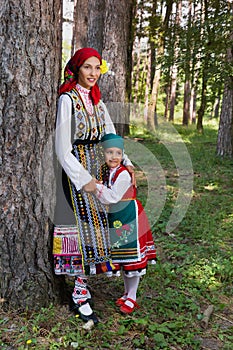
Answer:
x=73 y=168
x=115 y=193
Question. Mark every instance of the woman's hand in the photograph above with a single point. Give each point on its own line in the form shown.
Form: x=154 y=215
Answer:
x=98 y=182
x=130 y=169
x=90 y=186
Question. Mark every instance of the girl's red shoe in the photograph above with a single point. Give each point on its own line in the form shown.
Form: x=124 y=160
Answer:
x=121 y=300
x=127 y=309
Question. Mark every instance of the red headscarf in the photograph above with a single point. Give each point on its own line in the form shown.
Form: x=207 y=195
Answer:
x=71 y=72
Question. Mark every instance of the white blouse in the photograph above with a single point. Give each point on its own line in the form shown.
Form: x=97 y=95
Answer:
x=117 y=190
x=63 y=146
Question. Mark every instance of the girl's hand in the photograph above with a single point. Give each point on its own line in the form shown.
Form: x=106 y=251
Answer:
x=90 y=187
x=132 y=173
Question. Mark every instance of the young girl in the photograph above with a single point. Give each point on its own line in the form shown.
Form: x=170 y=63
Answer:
x=131 y=239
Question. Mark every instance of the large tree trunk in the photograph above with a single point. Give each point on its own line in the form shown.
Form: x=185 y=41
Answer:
x=167 y=100
x=225 y=131
x=151 y=118
x=107 y=26
x=135 y=78
x=80 y=27
x=89 y=24
x=30 y=70
x=193 y=98
x=187 y=71
x=205 y=73
x=137 y=73
x=216 y=106
x=186 y=103
x=195 y=63
x=154 y=94
x=173 y=92
x=117 y=49
x=201 y=111
x=147 y=87
x=174 y=68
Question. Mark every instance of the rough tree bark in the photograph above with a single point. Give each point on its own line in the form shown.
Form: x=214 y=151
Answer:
x=151 y=120
x=225 y=131
x=117 y=49
x=107 y=27
x=80 y=26
x=187 y=71
x=137 y=72
x=30 y=49
x=89 y=24
x=205 y=71
x=174 y=68
x=147 y=87
x=187 y=97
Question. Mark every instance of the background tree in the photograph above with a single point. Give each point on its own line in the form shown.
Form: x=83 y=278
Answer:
x=174 y=66
x=159 y=36
x=30 y=62
x=79 y=38
x=106 y=26
x=225 y=131
x=117 y=49
x=88 y=24
x=187 y=68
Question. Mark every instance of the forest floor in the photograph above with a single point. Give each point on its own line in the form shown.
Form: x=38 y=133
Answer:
x=193 y=274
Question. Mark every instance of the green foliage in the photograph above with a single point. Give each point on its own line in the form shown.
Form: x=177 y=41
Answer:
x=197 y=44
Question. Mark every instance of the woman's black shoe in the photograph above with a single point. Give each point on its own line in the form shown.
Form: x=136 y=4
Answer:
x=76 y=309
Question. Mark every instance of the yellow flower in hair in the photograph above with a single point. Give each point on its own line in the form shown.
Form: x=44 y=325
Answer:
x=104 y=67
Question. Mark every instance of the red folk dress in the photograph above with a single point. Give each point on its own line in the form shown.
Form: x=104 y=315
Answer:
x=132 y=245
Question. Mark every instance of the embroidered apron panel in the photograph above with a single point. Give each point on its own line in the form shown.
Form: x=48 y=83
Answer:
x=124 y=232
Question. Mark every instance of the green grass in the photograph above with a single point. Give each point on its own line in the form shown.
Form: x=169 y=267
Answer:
x=194 y=270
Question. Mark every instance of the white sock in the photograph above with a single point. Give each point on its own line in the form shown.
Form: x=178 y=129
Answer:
x=124 y=297
x=131 y=284
x=80 y=293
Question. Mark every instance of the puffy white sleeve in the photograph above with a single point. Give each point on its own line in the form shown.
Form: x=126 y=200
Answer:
x=63 y=146
x=111 y=129
x=115 y=193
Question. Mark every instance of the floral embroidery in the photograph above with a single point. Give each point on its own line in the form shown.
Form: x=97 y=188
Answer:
x=123 y=232
x=117 y=224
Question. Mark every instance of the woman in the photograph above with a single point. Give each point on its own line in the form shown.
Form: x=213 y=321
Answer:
x=81 y=235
